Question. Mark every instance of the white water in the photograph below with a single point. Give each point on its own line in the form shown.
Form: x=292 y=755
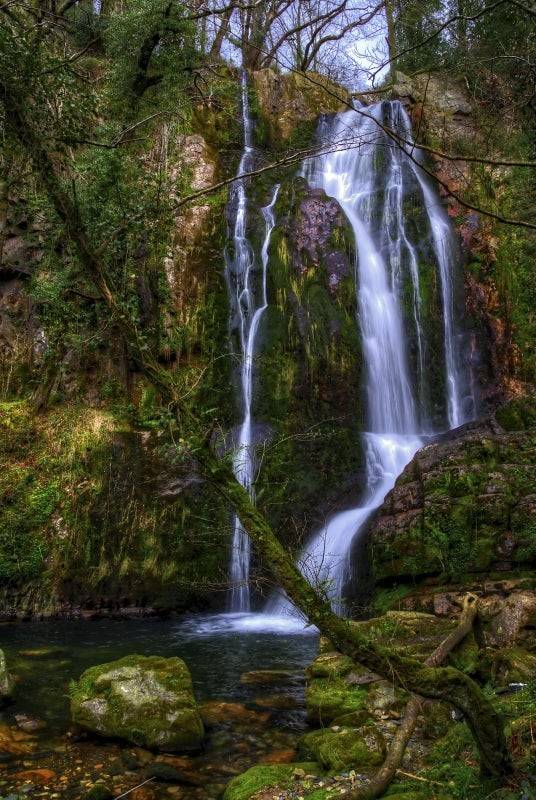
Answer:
x=446 y=252
x=370 y=188
x=249 y=302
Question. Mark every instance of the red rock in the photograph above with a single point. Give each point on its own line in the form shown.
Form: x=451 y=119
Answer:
x=279 y=757
x=41 y=776
x=214 y=712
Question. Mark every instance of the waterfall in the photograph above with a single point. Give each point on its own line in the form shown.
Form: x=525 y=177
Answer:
x=446 y=252
x=369 y=175
x=249 y=301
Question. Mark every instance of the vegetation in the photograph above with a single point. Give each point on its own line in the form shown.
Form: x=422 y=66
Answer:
x=119 y=136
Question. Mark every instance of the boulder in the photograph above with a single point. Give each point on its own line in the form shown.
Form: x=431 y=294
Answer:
x=145 y=700
x=465 y=504
x=339 y=748
x=6 y=682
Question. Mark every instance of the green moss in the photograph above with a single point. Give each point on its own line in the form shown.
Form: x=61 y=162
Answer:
x=345 y=748
x=146 y=700
x=328 y=698
x=387 y=599
x=518 y=414
x=267 y=776
x=81 y=512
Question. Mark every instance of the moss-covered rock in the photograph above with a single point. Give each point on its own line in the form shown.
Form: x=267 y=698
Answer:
x=329 y=698
x=111 y=510
x=513 y=665
x=465 y=504
x=340 y=748
x=267 y=776
x=288 y=100
x=146 y=700
x=6 y=683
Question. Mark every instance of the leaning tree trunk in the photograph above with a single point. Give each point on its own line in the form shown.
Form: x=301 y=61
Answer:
x=445 y=683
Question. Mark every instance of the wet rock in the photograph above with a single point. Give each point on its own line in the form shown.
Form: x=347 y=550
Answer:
x=183 y=768
x=279 y=757
x=29 y=724
x=278 y=701
x=147 y=701
x=166 y=773
x=37 y=776
x=45 y=653
x=344 y=748
x=15 y=742
x=216 y=712
x=99 y=791
x=6 y=681
x=265 y=677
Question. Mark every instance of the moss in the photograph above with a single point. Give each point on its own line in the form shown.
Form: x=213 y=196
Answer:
x=387 y=599
x=518 y=415
x=328 y=698
x=82 y=512
x=345 y=748
x=267 y=776
x=146 y=700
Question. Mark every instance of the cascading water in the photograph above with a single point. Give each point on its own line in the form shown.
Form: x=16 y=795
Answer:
x=446 y=252
x=249 y=301
x=368 y=175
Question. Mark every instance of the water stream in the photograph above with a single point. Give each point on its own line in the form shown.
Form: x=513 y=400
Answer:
x=249 y=301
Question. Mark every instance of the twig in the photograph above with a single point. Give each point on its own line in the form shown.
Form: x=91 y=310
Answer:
x=133 y=788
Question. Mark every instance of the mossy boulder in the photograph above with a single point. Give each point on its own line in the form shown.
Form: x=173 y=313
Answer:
x=266 y=776
x=329 y=698
x=339 y=748
x=6 y=683
x=464 y=505
x=145 y=700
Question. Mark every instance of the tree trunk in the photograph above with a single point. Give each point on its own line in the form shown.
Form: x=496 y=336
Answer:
x=221 y=33
x=391 y=35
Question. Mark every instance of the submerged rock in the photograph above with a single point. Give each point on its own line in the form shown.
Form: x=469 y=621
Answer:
x=6 y=682
x=265 y=677
x=148 y=701
x=216 y=712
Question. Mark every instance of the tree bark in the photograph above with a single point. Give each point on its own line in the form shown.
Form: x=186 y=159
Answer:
x=444 y=683
x=391 y=35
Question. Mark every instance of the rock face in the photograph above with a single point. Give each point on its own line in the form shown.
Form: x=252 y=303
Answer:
x=147 y=701
x=465 y=504
x=6 y=684
x=287 y=101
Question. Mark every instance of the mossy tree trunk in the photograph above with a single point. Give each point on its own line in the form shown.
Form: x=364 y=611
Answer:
x=445 y=683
